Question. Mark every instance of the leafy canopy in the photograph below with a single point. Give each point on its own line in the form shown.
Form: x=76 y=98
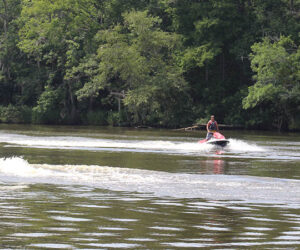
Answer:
x=138 y=58
x=276 y=66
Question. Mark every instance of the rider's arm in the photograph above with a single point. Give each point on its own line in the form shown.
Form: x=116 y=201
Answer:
x=217 y=126
x=207 y=126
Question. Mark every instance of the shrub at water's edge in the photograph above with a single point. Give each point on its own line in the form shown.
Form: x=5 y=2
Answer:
x=15 y=114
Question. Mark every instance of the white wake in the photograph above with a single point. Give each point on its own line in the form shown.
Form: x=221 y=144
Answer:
x=157 y=183
x=83 y=143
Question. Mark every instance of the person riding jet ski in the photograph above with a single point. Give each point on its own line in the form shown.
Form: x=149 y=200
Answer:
x=211 y=127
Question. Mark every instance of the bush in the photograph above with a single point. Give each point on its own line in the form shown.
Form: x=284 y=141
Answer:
x=15 y=114
x=48 y=108
x=295 y=124
x=118 y=118
x=26 y=114
x=201 y=121
x=113 y=118
x=96 y=118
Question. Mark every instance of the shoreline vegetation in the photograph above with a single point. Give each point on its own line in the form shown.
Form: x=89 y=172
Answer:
x=158 y=63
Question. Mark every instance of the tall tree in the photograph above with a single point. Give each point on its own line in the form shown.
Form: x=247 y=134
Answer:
x=277 y=74
x=56 y=34
x=138 y=58
x=10 y=58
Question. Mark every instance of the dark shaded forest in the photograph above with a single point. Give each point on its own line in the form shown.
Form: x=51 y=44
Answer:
x=160 y=63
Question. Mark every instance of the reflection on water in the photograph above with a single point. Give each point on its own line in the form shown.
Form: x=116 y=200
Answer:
x=216 y=166
x=219 y=166
x=106 y=188
x=50 y=216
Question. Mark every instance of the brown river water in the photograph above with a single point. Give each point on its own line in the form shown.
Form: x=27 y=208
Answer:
x=64 y=187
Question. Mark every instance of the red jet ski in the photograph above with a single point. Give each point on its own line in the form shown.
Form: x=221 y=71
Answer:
x=217 y=140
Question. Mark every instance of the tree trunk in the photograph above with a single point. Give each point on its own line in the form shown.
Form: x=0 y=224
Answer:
x=241 y=6
x=222 y=59
x=5 y=18
x=73 y=104
x=292 y=5
x=119 y=104
x=91 y=101
x=206 y=73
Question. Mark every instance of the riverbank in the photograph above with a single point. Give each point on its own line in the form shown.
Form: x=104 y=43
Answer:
x=194 y=128
x=27 y=115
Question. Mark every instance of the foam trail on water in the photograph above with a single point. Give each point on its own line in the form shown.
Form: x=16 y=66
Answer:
x=158 y=183
x=167 y=146
x=242 y=146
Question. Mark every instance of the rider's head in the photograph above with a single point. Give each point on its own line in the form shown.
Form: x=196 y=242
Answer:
x=212 y=117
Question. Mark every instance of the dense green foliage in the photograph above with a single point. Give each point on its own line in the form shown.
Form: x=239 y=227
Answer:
x=277 y=75
x=163 y=63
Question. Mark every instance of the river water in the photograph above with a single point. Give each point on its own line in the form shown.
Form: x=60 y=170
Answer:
x=103 y=188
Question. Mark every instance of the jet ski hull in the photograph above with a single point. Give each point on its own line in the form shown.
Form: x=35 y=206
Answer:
x=221 y=143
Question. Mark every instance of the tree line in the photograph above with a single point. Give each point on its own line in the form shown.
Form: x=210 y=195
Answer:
x=164 y=63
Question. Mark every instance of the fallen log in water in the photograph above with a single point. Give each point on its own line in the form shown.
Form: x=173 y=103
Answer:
x=203 y=126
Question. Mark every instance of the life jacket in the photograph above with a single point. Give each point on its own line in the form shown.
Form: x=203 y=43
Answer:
x=212 y=126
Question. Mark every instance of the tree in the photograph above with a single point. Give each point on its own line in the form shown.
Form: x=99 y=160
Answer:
x=217 y=39
x=277 y=74
x=56 y=35
x=154 y=62
x=138 y=58
x=10 y=59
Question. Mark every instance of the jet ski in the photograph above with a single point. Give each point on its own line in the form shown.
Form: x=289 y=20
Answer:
x=217 y=140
